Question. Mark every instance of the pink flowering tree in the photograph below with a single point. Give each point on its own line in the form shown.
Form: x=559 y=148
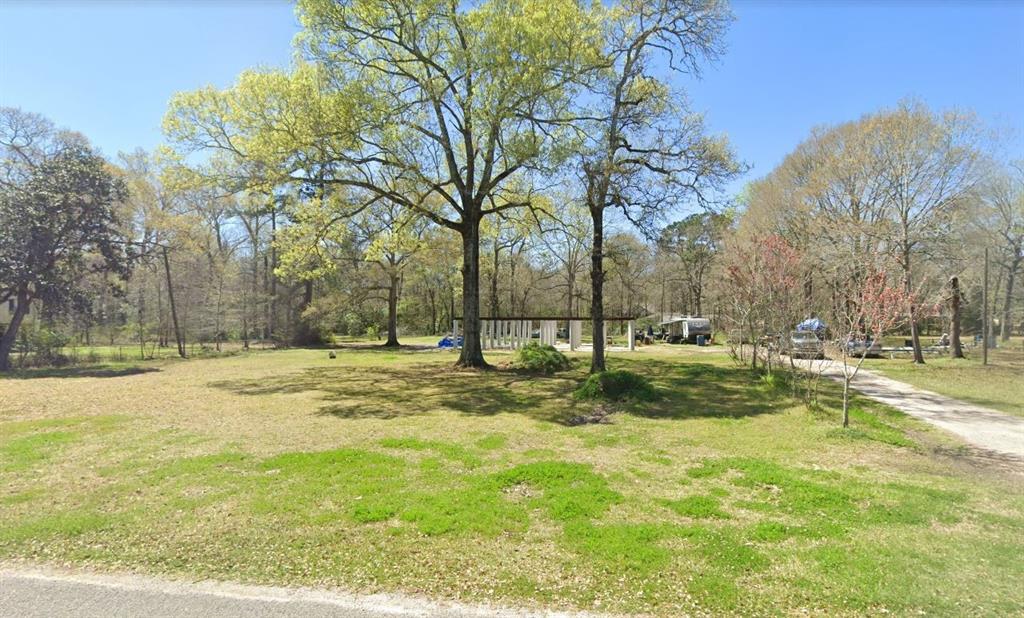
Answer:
x=763 y=291
x=877 y=304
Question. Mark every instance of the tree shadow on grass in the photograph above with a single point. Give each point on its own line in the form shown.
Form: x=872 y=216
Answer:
x=380 y=347
x=395 y=392
x=701 y=390
x=695 y=390
x=76 y=372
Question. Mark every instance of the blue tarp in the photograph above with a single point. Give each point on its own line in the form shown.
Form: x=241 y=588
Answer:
x=447 y=342
x=811 y=324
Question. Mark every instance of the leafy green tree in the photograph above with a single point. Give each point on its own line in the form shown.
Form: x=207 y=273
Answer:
x=58 y=218
x=1002 y=221
x=931 y=166
x=695 y=243
x=646 y=153
x=392 y=237
x=564 y=239
x=408 y=102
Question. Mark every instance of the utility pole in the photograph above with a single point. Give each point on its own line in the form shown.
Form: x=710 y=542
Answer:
x=984 y=314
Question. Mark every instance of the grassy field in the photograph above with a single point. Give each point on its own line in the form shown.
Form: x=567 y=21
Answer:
x=999 y=385
x=390 y=471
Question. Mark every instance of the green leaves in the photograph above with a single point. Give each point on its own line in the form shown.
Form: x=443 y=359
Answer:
x=58 y=222
x=268 y=127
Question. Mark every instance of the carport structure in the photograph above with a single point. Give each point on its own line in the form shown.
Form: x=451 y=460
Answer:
x=514 y=332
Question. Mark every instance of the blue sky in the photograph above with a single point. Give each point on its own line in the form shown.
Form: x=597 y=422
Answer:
x=107 y=68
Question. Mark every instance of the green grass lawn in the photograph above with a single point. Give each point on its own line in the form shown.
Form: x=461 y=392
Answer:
x=998 y=385
x=390 y=471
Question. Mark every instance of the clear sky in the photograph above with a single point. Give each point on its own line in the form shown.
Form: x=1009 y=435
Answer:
x=107 y=68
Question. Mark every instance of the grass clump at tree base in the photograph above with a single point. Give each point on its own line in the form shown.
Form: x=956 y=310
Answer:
x=540 y=358
x=618 y=385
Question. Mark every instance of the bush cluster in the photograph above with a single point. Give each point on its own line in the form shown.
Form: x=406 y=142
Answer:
x=540 y=358
x=616 y=386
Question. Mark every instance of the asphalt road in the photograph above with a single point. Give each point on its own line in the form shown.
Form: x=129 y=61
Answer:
x=32 y=594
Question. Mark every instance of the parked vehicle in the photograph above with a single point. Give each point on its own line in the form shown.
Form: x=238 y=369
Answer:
x=857 y=346
x=806 y=344
x=687 y=329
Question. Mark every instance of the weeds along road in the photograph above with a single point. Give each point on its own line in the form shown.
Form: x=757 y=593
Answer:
x=50 y=594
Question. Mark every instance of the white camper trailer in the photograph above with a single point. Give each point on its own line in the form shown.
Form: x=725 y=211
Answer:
x=687 y=329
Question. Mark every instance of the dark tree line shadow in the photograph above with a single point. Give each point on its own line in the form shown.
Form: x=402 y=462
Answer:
x=76 y=372
x=693 y=390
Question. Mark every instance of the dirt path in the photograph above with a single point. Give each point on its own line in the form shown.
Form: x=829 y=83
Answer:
x=984 y=428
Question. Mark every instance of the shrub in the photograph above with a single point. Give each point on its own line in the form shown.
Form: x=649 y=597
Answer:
x=45 y=346
x=541 y=358
x=616 y=386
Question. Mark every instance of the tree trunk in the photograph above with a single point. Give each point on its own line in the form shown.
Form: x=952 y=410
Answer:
x=571 y=284
x=451 y=308
x=955 y=349
x=142 y=321
x=846 y=402
x=304 y=334
x=597 y=363
x=433 y=311
x=174 y=311
x=272 y=310
x=1004 y=324
x=494 y=282
x=11 y=333
x=512 y=281
x=161 y=313
x=661 y=305
x=392 y=341
x=472 y=354
x=254 y=323
x=915 y=335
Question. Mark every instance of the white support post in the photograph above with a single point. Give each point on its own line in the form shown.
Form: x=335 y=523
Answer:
x=485 y=334
x=545 y=333
x=575 y=334
x=631 y=332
